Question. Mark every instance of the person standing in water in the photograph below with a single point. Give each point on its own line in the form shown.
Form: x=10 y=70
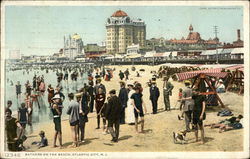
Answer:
x=18 y=90
x=51 y=92
x=22 y=116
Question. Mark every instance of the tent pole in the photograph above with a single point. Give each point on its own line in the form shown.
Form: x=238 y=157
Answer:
x=214 y=91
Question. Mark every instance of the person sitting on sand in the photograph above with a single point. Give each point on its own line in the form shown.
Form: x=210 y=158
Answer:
x=228 y=124
x=220 y=88
x=43 y=142
x=138 y=104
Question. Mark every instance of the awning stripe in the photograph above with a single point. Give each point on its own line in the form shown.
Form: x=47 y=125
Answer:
x=232 y=68
x=210 y=72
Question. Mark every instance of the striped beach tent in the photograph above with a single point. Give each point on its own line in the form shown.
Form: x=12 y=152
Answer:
x=236 y=81
x=202 y=76
x=233 y=68
x=216 y=72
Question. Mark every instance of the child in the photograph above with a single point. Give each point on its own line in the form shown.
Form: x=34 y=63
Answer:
x=43 y=142
x=182 y=103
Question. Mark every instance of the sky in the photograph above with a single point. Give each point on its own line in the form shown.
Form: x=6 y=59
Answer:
x=39 y=30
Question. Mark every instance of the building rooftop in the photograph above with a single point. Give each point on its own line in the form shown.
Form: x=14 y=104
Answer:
x=119 y=13
x=76 y=36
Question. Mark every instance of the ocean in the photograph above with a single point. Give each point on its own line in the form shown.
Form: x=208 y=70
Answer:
x=43 y=114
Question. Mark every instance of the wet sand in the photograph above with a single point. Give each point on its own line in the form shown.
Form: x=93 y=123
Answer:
x=158 y=128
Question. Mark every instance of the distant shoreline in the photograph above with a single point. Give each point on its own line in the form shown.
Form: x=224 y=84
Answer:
x=139 y=62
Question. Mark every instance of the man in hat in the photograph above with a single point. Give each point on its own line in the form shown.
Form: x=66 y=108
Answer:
x=123 y=96
x=188 y=103
x=113 y=113
x=154 y=95
x=99 y=85
x=83 y=99
x=126 y=74
x=167 y=91
x=56 y=111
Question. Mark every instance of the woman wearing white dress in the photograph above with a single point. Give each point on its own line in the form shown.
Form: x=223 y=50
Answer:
x=130 y=118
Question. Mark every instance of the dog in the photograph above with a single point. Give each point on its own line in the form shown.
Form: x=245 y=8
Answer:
x=179 y=137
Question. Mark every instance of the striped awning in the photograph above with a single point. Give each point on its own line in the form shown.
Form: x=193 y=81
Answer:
x=233 y=68
x=241 y=69
x=209 y=72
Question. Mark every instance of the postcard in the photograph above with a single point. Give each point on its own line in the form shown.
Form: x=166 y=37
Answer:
x=124 y=79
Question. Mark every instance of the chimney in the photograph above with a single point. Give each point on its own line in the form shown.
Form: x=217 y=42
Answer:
x=238 y=35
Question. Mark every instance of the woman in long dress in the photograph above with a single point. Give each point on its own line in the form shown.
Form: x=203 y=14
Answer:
x=130 y=118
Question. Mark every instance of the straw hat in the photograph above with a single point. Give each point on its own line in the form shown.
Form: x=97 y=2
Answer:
x=220 y=80
x=153 y=82
x=130 y=83
x=187 y=81
x=99 y=79
x=57 y=96
x=122 y=82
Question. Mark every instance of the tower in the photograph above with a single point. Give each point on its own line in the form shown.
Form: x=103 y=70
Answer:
x=191 y=28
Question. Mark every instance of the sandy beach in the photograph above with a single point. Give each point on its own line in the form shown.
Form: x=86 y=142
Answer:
x=158 y=128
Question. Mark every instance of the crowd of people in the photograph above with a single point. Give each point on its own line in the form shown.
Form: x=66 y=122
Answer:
x=113 y=107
